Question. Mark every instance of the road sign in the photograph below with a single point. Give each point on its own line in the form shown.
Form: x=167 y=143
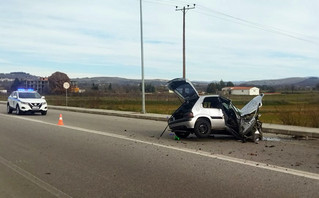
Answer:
x=66 y=85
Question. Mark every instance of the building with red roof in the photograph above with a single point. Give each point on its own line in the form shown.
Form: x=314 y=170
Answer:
x=250 y=91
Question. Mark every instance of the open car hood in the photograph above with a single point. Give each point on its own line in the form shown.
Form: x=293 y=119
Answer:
x=183 y=88
x=252 y=105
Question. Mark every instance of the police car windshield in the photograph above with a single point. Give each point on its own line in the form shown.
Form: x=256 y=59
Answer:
x=29 y=95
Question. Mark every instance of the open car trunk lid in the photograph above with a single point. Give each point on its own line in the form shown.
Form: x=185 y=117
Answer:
x=183 y=88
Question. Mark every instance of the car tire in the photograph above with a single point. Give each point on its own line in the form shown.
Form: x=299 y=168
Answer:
x=9 y=109
x=18 y=111
x=44 y=112
x=202 y=128
x=182 y=134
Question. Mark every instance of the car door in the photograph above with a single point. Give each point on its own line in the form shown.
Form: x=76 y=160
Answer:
x=10 y=98
x=16 y=98
x=211 y=107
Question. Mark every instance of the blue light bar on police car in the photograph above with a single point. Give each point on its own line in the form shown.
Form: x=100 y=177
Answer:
x=20 y=89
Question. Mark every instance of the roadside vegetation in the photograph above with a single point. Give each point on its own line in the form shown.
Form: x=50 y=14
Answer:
x=282 y=105
x=300 y=109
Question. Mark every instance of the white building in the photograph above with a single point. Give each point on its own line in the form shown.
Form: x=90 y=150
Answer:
x=241 y=91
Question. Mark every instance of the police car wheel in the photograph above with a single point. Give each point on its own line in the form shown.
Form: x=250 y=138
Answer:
x=18 y=111
x=9 y=109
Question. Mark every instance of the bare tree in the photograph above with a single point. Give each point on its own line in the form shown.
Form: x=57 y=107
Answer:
x=56 y=81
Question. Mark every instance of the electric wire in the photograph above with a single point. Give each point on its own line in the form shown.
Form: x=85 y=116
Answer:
x=253 y=24
x=233 y=19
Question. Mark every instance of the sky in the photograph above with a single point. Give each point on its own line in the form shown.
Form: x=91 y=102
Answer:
x=232 y=40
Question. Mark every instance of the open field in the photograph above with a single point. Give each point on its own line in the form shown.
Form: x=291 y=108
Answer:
x=289 y=109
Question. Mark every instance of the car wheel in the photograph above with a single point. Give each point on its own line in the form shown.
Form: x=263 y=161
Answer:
x=44 y=112
x=18 y=111
x=182 y=134
x=202 y=128
x=9 y=109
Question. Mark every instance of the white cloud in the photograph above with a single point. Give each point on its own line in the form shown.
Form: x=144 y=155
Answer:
x=103 y=37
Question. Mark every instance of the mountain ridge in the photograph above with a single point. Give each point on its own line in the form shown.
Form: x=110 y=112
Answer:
x=291 y=81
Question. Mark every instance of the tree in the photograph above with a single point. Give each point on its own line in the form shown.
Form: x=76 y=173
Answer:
x=56 y=81
x=149 y=88
x=221 y=85
x=110 y=87
x=95 y=87
x=215 y=87
x=317 y=86
x=16 y=84
x=230 y=84
x=212 y=88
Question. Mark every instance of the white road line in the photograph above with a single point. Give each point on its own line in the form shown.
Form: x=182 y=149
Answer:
x=51 y=189
x=201 y=153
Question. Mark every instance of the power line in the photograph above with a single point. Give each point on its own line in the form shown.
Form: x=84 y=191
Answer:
x=233 y=19
x=254 y=25
x=246 y=21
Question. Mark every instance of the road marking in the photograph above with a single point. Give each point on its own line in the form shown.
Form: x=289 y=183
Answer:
x=196 y=152
x=51 y=189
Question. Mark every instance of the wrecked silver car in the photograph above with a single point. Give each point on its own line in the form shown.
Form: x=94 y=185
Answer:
x=212 y=114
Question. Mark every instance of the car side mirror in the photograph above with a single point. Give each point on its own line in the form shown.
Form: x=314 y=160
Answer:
x=14 y=96
x=42 y=97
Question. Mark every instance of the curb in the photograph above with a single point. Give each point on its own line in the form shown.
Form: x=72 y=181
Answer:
x=296 y=131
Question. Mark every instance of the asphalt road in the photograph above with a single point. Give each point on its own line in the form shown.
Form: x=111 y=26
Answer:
x=105 y=156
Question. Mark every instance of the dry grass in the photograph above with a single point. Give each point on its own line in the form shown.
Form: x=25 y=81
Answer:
x=289 y=109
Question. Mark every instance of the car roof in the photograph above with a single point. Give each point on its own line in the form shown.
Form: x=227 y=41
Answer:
x=209 y=96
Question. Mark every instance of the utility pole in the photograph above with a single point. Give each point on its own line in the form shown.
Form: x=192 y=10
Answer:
x=184 y=10
x=142 y=60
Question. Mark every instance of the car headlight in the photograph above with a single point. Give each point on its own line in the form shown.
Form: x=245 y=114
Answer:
x=25 y=103
x=44 y=103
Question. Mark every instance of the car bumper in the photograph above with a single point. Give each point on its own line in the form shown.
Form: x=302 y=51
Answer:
x=182 y=124
x=28 y=108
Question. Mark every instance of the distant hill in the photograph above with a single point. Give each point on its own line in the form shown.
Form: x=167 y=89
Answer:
x=125 y=81
x=19 y=75
x=296 y=81
x=118 y=81
x=312 y=81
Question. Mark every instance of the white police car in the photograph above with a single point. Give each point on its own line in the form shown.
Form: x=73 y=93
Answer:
x=26 y=100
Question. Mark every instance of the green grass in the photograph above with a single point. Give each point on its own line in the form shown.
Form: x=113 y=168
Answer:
x=291 y=109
